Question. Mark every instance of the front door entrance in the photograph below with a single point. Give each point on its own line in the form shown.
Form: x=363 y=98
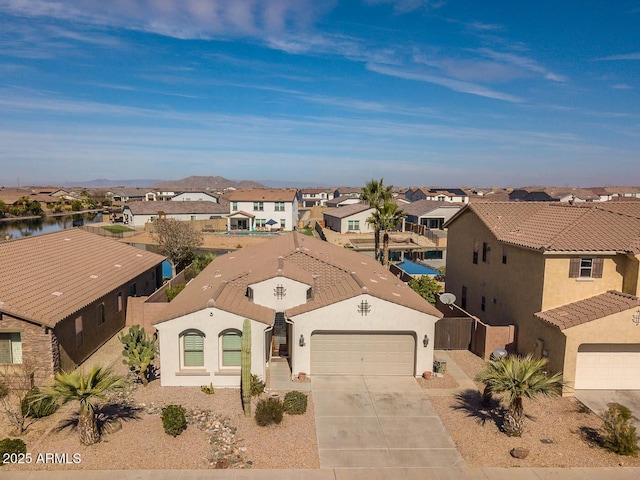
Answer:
x=280 y=342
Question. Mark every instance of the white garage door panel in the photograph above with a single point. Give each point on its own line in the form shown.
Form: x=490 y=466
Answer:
x=608 y=367
x=362 y=354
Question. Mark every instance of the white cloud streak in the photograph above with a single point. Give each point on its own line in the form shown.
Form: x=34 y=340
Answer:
x=624 y=56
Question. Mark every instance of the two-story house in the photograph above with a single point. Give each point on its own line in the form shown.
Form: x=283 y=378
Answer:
x=567 y=277
x=262 y=209
x=311 y=197
x=455 y=195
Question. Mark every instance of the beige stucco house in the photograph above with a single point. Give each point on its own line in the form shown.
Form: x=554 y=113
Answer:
x=349 y=219
x=324 y=308
x=567 y=276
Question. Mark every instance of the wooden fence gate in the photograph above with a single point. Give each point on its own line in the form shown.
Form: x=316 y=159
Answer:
x=453 y=334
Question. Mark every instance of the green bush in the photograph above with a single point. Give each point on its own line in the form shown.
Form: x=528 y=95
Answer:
x=173 y=419
x=257 y=385
x=269 y=411
x=619 y=432
x=38 y=408
x=208 y=389
x=172 y=292
x=11 y=445
x=295 y=403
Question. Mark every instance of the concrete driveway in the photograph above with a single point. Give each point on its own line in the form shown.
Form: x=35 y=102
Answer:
x=596 y=401
x=378 y=422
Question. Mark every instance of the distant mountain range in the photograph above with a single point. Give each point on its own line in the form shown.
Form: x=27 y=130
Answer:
x=191 y=183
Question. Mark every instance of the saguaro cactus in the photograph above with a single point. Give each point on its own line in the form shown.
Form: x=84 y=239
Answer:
x=246 y=367
x=139 y=352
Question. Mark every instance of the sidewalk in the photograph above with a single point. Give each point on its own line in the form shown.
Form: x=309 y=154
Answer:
x=612 y=473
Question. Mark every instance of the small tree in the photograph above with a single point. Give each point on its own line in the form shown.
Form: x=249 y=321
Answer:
x=176 y=240
x=426 y=287
x=386 y=217
x=139 y=351
x=16 y=380
x=76 y=205
x=514 y=378
x=201 y=261
x=87 y=390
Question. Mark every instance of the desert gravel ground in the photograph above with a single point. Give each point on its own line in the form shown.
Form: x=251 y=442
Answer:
x=559 y=432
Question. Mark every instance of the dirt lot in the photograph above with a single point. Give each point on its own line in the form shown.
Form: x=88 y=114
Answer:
x=559 y=432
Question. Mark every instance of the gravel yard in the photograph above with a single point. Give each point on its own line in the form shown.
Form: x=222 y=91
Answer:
x=558 y=432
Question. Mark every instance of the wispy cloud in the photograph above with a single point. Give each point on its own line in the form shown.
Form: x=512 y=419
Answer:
x=624 y=56
x=621 y=86
x=186 y=19
x=405 y=6
x=522 y=62
x=456 y=85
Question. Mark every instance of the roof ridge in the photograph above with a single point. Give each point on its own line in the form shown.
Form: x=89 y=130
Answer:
x=570 y=225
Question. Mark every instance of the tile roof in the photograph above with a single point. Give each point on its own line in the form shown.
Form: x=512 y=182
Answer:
x=335 y=274
x=263 y=194
x=347 y=210
x=338 y=200
x=45 y=278
x=131 y=192
x=589 y=309
x=173 y=208
x=553 y=226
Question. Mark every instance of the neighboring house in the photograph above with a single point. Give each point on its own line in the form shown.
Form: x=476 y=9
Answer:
x=553 y=194
x=430 y=213
x=567 y=276
x=137 y=214
x=347 y=192
x=123 y=195
x=349 y=219
x=342 y=201
x=328 y=310
x=194 y=197
x=312 y=197
x=455 y=195
x=262 y=209
x=63 y=294
x=165 y=195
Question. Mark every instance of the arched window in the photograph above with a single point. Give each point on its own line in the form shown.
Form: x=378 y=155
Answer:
x=192 y=349
x=230 y=348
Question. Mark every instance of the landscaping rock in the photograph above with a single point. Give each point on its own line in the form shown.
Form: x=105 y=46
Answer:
x=519 y=452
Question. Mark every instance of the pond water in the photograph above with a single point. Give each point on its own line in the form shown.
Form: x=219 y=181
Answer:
x=35 y=226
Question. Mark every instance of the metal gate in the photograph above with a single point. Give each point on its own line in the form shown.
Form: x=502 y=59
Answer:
x=453 y=334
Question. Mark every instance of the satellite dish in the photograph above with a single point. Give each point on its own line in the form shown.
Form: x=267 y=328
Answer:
x=448 y=298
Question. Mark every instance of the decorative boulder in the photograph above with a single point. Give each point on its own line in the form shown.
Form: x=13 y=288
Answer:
x=519 y=452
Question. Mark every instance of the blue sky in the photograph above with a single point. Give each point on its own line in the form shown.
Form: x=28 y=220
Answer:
x=420 y=92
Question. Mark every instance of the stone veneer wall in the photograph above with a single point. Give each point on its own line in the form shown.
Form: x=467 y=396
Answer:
x=38 y=346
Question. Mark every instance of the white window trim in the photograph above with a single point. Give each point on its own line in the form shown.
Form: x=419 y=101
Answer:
x=197 y=368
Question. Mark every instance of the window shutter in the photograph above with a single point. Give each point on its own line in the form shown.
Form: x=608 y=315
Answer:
x=597 y=267
x=574 y=268
x=193 y=350
x=5 y=349
x=232 y=350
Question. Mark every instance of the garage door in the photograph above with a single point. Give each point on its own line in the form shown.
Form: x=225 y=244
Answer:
x=608 y=367
x=362 y=354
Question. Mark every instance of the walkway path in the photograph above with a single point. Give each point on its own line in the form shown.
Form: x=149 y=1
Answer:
x=464 y=382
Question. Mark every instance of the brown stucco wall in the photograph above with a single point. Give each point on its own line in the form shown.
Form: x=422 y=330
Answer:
x=37 y=346
x=512 y=291
x=95 y=335
x=631 y=282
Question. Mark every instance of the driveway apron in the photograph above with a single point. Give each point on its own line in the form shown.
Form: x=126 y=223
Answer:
x=378 y=422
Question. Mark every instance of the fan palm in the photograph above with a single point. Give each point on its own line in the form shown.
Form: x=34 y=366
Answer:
x=375 y=193
x=88 y=390
x=514 y=378
x=386 y=217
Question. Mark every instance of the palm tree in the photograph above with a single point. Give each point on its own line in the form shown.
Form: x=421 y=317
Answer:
x=87 y=389
x=375 y=193
x=514 y=378
x=386 y=217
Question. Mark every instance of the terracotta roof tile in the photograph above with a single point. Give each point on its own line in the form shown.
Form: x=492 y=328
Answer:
x=263 y=194
x=347 y=210
x=589 y=309
x=171 y=208
x=45 y=278
x=326 y=267
x=560 y=227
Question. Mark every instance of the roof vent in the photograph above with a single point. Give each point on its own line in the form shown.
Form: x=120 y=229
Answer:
x=57 y=294
x=93 y=276
x=117 y=265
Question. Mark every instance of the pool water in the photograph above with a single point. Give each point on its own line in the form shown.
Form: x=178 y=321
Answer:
x=413 y=268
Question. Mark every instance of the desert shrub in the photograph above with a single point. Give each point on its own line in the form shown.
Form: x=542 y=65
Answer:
x=208 y=389
x=35 y=405
x=172 y=292
x=257 y=385
x=4 y=391
x=173 y=419
x=619 y=432
x=295 y=403
x=269 y=411
x=11 y=445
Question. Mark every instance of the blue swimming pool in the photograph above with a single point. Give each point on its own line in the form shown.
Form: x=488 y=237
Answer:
x=245 y=233
x=413 y=268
